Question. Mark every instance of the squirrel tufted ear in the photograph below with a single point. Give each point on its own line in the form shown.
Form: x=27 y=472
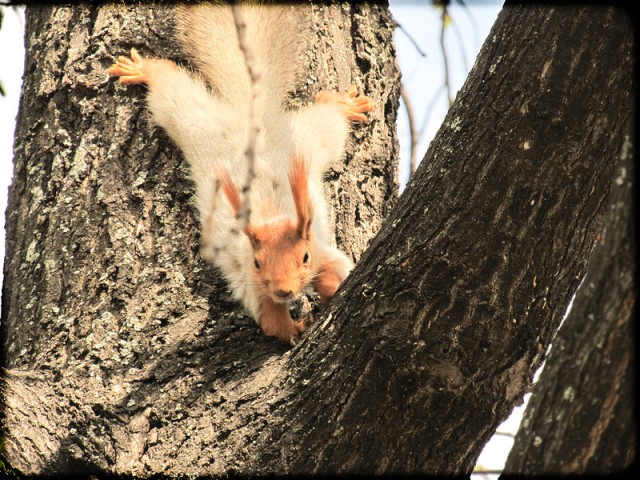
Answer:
x=232 y=193
x=299 y=182
x=250 y=232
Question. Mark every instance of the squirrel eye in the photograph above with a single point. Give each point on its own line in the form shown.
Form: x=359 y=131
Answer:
x=305 y=260
x=255 y=262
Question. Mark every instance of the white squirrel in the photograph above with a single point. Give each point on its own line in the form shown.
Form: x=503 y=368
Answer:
x=287 y=245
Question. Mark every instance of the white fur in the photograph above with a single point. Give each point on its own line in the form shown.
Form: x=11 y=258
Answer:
x=211 y=128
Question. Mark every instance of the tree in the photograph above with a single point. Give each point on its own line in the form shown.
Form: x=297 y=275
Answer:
x=117 y=361
x=107 y=247
x=581 y=415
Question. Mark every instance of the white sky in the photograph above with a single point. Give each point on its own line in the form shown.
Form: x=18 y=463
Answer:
x=423 y=78
x=11 y=67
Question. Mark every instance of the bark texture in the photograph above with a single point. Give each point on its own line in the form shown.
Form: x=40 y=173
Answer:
x=122 y=347
x=581 y=418
x=437 y=333
x=427 y=346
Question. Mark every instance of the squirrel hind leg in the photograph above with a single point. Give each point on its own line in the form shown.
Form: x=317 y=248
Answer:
x=129 y=70
x=353 y=106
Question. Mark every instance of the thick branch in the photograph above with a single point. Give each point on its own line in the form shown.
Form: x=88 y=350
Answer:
x=438 y=332
x=580 y=418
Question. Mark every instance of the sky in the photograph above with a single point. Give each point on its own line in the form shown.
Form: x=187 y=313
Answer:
x=11 y=67
x=420 y=58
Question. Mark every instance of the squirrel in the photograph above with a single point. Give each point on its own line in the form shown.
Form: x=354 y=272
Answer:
x=286 y=245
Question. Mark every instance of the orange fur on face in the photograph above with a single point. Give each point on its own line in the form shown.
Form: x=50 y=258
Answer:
x=283 y=255
x=279 y=246
x=280 y=254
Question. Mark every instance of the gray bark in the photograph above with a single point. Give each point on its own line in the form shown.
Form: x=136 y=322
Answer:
x=117 y=337
x=581 y=415
x=449 y=312
x=426 y=347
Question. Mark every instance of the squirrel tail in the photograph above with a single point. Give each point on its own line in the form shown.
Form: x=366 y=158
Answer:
x=275 y=35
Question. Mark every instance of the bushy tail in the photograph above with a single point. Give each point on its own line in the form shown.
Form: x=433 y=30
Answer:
x=276 y=34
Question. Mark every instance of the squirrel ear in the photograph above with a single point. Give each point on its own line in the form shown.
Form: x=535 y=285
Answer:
x=298 y=180
x=253 y=236
x=230 y=191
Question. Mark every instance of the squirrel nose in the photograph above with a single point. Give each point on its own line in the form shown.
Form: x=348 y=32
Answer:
x=284 y=294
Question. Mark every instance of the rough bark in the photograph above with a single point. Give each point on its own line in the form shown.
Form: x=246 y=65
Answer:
x=436 y=334
x=118 y=339
x=449 y=312
x=580 y=418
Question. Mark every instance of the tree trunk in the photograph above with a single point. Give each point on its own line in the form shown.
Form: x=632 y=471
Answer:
x=116 y=335
x=427 y=346
x=580 y=418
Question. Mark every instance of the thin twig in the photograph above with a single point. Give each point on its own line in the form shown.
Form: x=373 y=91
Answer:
x=447 y=83
x=429 y=110
x=412 y=130
x=487 y=472
x=411 y=39
x=255 y=114
x=474 y=25
x=211 y=251
x=463 y=52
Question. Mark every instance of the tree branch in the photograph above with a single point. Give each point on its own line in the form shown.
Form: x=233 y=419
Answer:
x=413 y=133
x=444 y=20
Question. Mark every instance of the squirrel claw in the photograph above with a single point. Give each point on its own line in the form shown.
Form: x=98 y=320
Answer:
x=300 y=326
x=354 y=106
x=130 y=70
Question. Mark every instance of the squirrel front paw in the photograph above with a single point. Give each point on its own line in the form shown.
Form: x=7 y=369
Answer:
x=130 y=70
x=287 y=331
x=275 y=321
x=299 y=328
x=354 y=107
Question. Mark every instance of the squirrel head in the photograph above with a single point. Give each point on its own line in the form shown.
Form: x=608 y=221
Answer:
x=283 y=253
